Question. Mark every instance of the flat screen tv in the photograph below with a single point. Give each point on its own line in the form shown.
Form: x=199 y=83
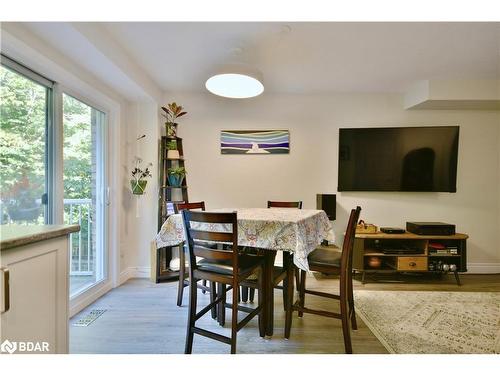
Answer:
x=398 y=159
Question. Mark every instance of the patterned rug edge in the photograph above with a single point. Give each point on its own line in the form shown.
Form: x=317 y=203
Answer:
x=375 y=331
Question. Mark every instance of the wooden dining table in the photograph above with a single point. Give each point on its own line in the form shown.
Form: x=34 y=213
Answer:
x=296 y=231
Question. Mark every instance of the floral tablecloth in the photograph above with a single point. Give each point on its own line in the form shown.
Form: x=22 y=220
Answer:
x=299 y=231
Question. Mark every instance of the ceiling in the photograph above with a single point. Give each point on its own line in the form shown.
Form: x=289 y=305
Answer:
x=307 y=57
x=315 y=57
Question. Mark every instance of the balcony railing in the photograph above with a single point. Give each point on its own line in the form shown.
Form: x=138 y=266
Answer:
x=80 y=211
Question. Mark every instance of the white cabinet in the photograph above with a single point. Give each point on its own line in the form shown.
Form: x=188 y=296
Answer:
x=36 y=318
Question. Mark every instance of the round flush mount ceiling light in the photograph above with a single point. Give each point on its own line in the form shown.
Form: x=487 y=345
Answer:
x=236 y=81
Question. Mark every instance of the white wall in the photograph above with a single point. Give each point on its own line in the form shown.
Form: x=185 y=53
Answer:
x=311 y=166
x=139 y=211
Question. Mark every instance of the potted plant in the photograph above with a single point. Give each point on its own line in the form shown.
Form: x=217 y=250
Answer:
x=139 y=175
x=176 y=176
x=23 y=200
x=172 y=113
x=172 y=152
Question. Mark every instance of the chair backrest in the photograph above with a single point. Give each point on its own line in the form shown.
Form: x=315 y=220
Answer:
x=284 y=204
x=203 y=227
x=178 y=207
x=348 y=245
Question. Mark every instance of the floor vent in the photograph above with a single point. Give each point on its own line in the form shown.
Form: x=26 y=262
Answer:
x=89 y=318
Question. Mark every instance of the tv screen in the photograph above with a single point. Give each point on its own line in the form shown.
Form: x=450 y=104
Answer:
x=398 y=159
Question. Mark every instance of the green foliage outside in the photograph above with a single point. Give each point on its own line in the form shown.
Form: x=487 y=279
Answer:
x=22 y=155
x=22 y=138
x=22 y=150
x=77 y=148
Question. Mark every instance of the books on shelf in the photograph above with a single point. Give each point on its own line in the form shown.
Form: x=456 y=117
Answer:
x=437 y=248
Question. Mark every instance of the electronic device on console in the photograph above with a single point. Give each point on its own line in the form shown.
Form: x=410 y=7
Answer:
x=392 y=230
x=430 y=228
x=394 y=247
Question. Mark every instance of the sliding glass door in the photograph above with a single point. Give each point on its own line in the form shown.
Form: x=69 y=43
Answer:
x=84 y=191
x=25 y=120
x=30 y=157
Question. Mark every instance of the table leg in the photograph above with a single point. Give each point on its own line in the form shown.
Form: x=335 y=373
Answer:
x=290 y=273
x=269 y=290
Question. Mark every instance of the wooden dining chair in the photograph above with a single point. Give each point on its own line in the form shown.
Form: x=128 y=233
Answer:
x=225 y=266
x=277 y=204
x=178 y=207
x=279 y=272
x=332 y=262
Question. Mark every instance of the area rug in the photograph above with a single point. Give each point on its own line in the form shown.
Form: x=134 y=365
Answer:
x=432 y=322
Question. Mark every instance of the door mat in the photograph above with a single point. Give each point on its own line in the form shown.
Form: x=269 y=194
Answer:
x=89 y=318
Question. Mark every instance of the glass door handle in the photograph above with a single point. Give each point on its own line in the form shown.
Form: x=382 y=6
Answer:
x=108 y=196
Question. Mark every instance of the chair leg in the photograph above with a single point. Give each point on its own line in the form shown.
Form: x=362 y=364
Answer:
x=204 y=283
x=344 y=312
x=213 y=296
x=193 y=293
x=290 y=288
x=352 y=312
x=252 y=294
x=285 y=292
x=234 y=318
x=297 y=278
x=302 y=291
x=222 y=308
x=182 y=275
x=244 y=293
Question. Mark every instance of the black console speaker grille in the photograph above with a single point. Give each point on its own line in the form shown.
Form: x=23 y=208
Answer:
x=327 y=203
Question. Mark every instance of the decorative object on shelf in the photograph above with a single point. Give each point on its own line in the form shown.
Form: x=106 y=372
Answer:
x=172 y=152
x=176 y=176
x=172 y=113
x=374 y=262
x=363 y=227
x=139 y=175
x=255 y=142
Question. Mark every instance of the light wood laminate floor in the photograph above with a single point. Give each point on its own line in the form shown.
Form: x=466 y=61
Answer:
x=142 y=317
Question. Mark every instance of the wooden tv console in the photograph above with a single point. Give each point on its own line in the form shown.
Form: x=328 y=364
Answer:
x=389 y=253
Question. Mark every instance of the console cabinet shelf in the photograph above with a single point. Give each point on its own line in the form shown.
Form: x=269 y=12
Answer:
x=408 y=252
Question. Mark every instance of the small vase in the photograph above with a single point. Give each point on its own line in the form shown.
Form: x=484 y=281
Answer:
x=175 y=180
x=138 y=186
x=171 y=129
x=173 y=154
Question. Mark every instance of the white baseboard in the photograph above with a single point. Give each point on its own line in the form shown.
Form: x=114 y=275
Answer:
x=83 y=300
x=134 y=273
x=483 y=268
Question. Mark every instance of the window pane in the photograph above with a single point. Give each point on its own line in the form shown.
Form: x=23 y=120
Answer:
x=23 y=130
x=82 y=192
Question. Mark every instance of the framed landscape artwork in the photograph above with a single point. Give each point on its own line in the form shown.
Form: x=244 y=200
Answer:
x=255 y=141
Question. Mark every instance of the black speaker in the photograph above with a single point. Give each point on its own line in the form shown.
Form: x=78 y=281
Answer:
x=327 y=203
